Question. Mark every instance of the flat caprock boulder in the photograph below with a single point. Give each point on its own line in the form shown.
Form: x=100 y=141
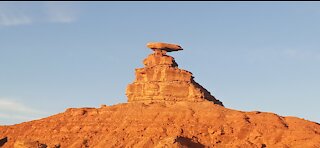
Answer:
x=164 y=46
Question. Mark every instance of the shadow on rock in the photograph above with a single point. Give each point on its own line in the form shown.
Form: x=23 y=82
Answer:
x=3 y=141
x=188 y=142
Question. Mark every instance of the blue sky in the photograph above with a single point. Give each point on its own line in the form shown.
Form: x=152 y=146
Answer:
x=252 y=56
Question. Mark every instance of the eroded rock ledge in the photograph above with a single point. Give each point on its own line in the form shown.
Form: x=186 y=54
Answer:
x=162 y=80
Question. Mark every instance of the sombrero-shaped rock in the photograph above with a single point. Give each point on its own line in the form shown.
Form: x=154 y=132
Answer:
x=164 y=46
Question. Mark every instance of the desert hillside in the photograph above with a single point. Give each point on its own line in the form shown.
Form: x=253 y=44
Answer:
x=166 y=108
x=179 y=124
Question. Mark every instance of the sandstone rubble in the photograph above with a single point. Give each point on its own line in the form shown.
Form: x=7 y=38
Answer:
x=28 y=144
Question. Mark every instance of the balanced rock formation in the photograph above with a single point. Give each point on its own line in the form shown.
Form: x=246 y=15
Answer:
x=162 y=80
x=192 y=119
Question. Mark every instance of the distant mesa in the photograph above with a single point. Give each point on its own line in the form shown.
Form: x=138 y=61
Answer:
x=162 y=80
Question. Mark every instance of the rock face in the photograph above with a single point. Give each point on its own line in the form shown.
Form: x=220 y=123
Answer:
x=162 y=80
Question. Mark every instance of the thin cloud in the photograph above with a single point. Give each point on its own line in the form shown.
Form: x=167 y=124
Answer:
x=11 y=116
x=18 y=14
x=8 y=105
x=302 y=54
x=12 y=112
x=14 y=20
x=265 y=54
x=59 y=12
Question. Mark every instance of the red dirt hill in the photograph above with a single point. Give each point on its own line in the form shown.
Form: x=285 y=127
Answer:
x=166 y=108
x=163 y=124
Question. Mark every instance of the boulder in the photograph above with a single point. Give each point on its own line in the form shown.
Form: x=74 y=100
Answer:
x=164 y=46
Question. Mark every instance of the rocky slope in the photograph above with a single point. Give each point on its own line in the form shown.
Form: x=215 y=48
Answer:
x=166 y=108
x=163 y=124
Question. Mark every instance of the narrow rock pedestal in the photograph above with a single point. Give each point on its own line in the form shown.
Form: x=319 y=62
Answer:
x=162 y=80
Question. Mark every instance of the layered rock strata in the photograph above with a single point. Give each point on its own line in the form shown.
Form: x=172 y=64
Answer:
x=162 y=80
